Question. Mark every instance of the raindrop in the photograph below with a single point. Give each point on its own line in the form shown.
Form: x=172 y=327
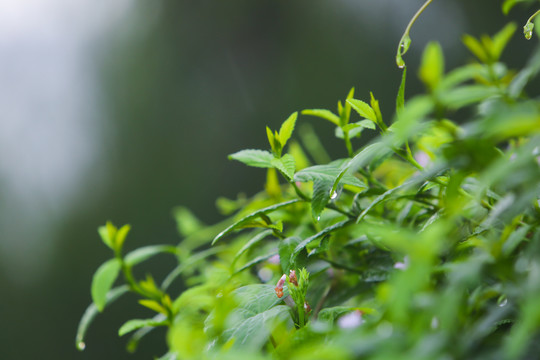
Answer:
x=503 y=301
x=334 y=195
x=318 y=217
x=81 y=345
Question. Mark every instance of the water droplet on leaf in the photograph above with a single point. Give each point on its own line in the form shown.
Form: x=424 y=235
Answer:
x=334 y=195
x=81 y=345
x=503 y=301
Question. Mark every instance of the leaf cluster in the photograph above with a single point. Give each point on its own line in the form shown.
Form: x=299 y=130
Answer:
x=422 y=244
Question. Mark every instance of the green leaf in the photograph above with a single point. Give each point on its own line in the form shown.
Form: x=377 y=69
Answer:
x=354 y=129
x=103 y=280
x=331 y=314
x=271 y=140
x=108 y=234
x=321 y=196
x=501 y=39
x=467 y=95
x=255 y=261
x=252 y=242
x=509 y=4
x=186 y=222
x=142 y=254
x=377 y=110
x=92 y=311
x=153 y=305
x=362 y=159
x=329 y=172
x=287 y=129
x=252 y=216
x=256 y=158
x=286 y=248
x=475 y=47
x=345 y=114
x=134 y=340
x=134 y=324
x=324 y=114
x=121 y=236
x=286 y=165
x=400 y=99
x=257 y=315
x=460 y=75
x=432 y=67
x=363 y=109
x=320 y=234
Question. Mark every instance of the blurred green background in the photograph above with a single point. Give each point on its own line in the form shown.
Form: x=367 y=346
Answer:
x=123 y=110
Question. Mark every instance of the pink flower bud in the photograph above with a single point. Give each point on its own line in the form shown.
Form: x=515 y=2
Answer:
x=279 y=286
x=292 y=278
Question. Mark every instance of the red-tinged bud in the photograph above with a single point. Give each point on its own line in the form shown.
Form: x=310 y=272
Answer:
x=279 y=286
x=292 y=278
x=307 y=308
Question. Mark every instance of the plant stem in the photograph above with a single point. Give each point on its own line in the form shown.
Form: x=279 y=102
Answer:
x=533 y=16
x=406 y=36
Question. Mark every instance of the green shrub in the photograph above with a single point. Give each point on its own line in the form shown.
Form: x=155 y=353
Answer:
x=422 y=244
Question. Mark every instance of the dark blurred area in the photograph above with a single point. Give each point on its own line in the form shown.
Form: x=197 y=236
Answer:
x=123 y=110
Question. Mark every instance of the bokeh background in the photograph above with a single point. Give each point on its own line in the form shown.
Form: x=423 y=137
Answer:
x=121 y=110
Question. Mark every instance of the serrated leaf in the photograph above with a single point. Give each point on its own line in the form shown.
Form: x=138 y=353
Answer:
x=139 y=255
x=324 y=114
x=321 y=196
x=134 y=324
x=153 y=305
x=286 y=248
x=92 y=311
x=287 y=129
x=252 y=216
x=256 y=158
x=286 y=165
x=252 y=322
x=103 y=280
x=360 y=160
x=328 y=172
x=320 y=234
x=432 y=66
x=363 y=109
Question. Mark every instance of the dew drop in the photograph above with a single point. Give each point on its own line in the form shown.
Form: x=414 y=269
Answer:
x=401 y=66
x=81 y=345
x=318 y=217
x=334 y=195
x=503 y=302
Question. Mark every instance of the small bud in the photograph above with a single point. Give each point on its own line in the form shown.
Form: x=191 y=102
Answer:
x=307 y=308
x=292 y=278
x=279 y=286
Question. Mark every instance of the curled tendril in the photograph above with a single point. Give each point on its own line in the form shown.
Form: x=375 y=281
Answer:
x=405 y=40
x=529 y=26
